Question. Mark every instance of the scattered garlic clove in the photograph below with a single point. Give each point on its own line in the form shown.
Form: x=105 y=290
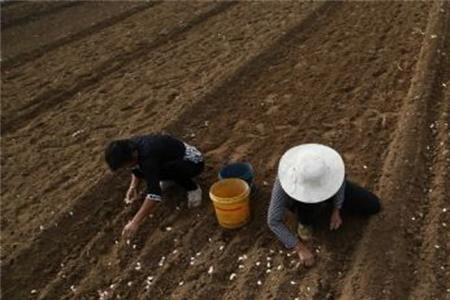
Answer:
x=138 y=266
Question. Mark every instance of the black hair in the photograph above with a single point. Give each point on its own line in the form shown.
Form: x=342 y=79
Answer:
x=118 y=153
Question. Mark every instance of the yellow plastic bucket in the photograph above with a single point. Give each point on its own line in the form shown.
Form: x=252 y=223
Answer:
x=231 y=202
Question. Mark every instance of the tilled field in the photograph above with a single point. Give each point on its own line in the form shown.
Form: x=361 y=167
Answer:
x=242 y=81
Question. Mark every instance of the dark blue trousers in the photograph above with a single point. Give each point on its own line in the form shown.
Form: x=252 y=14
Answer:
x=357 y=201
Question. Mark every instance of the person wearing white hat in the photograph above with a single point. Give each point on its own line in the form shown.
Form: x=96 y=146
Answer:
x=311 y=181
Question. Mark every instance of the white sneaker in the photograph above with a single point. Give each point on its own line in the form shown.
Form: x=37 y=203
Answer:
x=166 y=184
x=194 y=197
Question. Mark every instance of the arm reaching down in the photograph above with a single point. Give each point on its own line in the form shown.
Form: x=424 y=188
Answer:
x=338 y=200
x=336 y=220
x=132 y=193
x=275 y=221
x=275 y=217
x=146 y=209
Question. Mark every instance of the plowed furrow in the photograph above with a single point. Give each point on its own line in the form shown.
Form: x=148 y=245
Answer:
x=49 y=99
x=401 y=181
x=431 y=270
x=242 y=81
x=15 y=57
x=160 y=244
x=257 y=103
x=142 y=111
x=57 y=240
x=119 y=258
x=18 y=17
x=70 y=66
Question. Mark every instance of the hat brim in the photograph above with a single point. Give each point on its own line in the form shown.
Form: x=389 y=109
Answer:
x=312 y=193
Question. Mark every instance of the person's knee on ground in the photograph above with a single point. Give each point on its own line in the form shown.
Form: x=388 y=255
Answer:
x=360 y=200
x=373 y=205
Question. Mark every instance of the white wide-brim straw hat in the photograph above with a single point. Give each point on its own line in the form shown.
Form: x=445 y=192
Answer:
x=311 y=173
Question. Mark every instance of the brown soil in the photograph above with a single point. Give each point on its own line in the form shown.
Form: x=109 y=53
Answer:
x=242 y=81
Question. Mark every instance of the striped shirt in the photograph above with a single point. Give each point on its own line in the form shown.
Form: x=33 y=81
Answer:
x=281 y=201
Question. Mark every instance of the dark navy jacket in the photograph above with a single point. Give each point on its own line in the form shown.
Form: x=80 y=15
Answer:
x=154 y=150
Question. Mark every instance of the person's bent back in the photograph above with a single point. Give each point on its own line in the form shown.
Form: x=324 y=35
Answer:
x=160 y=160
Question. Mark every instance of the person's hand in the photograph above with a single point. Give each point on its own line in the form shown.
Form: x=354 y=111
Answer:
x=305 y=255
x=336 y=220
x=131 y=196
x=130 y=229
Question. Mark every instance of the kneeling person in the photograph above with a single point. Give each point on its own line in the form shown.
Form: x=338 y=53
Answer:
x=311 y=182
x=160 y=160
